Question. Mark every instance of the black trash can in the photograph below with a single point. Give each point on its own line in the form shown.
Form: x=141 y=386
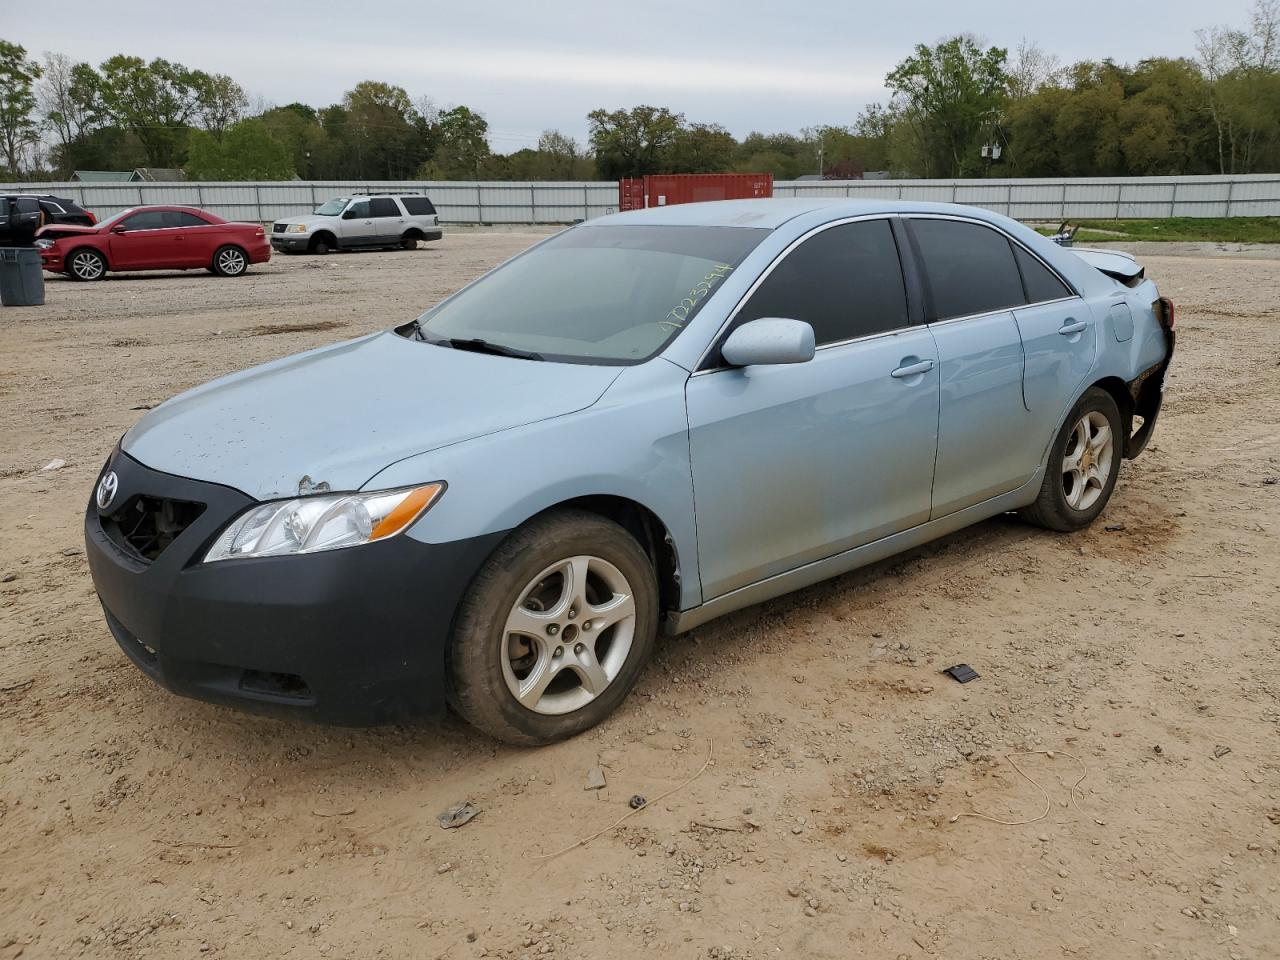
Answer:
x=21 y=278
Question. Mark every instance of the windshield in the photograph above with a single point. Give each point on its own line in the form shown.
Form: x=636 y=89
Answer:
x=596 y=294
x=331 y=208
x=116 y=216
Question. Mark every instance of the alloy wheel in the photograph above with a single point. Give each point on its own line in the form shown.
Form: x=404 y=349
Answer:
x=86 y=265
x=568 y=635
x=1086 y=465
x=231 y=262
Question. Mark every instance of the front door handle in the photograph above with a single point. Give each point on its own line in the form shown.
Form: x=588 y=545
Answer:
x=912 y=369
x=1072 y=326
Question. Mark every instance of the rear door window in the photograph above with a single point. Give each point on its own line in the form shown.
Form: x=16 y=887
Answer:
x=418 y=206
x=384 y=207
x=1039 y=282
x=845 y=282
x=180 y=218
x=969 y=268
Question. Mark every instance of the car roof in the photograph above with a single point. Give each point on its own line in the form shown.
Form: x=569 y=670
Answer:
x=773 y=212
x=36 y=196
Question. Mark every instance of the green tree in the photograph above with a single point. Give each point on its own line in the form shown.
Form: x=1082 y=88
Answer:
x=105 y=147
x=297 y=126
x=220 y=101
x=784 y=155
x=701 y=148
x=1241 y=69
x=1164 y=120
x=245 y=151
x=382 y=132
x=559 y=156
x=631 y=143
x=950 y=97
x=18 y=127
x=155 y=101
x=463 y=146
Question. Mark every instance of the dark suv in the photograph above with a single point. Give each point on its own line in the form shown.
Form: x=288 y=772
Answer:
x=21 y=215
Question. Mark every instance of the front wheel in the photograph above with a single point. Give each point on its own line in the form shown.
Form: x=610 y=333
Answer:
x=87 y=264
x=555 y=630
x=230 y=262
x=1084 y=463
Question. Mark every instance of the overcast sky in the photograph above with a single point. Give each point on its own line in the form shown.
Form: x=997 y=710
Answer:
x=538 y=64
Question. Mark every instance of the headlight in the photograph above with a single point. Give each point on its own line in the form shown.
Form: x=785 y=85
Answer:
x=296 y=228
x=326 y=522
x=44 y=243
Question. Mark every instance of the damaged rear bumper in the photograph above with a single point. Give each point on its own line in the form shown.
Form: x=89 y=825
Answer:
x=1147 y=391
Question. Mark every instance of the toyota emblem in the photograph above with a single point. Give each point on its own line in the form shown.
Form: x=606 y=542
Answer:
x=107 y=490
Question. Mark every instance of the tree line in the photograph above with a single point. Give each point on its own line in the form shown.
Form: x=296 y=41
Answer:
x=957 y=108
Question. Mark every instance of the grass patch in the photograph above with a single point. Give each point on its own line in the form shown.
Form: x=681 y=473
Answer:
x=1192 y=229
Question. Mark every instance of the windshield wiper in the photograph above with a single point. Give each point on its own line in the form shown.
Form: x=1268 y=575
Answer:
x=484 y=346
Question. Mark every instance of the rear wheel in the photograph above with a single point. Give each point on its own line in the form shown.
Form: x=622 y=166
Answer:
x=230 y=261
x=555 y=630
x=86 y=264
x=1083 y=465
x=408 y=243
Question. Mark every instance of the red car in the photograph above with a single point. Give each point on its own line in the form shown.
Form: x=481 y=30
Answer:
x=153 y=238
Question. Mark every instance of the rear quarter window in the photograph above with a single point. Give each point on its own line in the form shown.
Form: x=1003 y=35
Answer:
x=418 y=206
x=1040 y=282
x=180 y=218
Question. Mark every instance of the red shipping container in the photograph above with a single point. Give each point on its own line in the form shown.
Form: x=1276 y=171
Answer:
x=664 y=189
x=631 y=194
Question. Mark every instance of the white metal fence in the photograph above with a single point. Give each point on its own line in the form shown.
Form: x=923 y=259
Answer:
x=466 y=202
x=1248 y=195
x=565 y=202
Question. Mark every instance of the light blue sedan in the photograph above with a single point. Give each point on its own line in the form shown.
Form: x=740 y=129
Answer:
x=640 y=423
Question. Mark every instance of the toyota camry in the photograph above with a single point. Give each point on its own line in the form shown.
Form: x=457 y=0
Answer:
x=639 y=424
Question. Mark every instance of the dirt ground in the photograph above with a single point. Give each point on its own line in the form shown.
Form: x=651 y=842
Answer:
x=1143 y=654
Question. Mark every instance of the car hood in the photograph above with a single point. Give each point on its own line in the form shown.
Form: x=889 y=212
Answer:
x=341 y=414
x=310 y=222
x=53 y=231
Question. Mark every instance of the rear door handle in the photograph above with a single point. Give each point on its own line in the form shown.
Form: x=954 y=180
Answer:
x=1073 y=326
x=912 y=369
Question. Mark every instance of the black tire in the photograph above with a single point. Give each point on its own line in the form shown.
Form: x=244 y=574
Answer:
x=86 y=264
x=474 y=671
x=230 y=261
x=320 y=246
x=1051 y=508
x=408 y=243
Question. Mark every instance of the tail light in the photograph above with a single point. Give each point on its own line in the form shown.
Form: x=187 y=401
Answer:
x=1164 y=310
x=260 y=232
x=93 y=221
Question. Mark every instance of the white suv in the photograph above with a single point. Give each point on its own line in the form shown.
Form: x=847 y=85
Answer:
x=364 y=220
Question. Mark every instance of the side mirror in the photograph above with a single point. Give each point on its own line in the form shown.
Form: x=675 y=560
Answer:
x=769 y=340
x=348 y=214
x=118 y=228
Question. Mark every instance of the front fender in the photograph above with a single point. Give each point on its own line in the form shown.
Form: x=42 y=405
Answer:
x=632 y=443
